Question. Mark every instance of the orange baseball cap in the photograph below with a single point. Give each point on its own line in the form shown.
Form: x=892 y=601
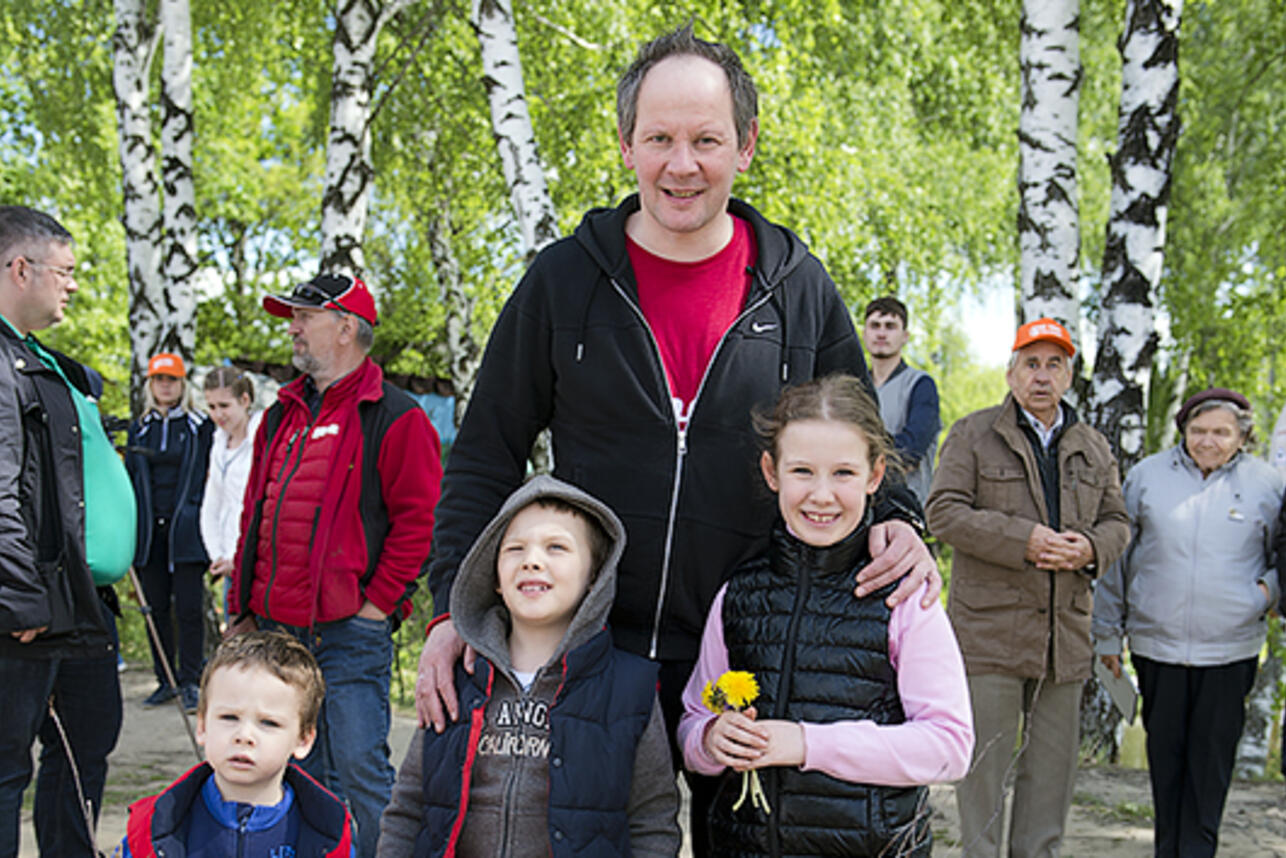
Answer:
x=166 y=363
x=1044 y=330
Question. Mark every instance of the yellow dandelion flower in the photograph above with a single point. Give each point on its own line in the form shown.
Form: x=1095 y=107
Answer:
x=739 y=687
x=714 y=698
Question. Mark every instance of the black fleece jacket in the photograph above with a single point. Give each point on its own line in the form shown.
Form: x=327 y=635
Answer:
x=571 y=350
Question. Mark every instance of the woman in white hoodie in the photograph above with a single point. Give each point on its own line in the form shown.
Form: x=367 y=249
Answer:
x=228 y=397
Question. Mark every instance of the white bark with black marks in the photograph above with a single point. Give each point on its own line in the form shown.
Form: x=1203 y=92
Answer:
x=179 y=248
x=524 y=174
x=1252 y=750
x=463 y=351
x=1147 y=130
x=493 y=22
x=1048 y=215
x=349 y=172
x=133 y=43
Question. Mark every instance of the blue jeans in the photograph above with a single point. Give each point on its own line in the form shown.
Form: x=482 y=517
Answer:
x=87 y=697
x=351 y=755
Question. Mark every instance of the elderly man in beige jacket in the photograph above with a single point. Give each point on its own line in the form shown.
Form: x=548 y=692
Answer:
x=1030 y=499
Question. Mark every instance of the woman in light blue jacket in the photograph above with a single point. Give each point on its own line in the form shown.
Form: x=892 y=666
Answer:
x=1192 y=593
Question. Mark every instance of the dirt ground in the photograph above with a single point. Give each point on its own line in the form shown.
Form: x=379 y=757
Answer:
x=1110 y=818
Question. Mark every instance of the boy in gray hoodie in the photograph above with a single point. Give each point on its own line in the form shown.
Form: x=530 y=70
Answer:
x=560 y=748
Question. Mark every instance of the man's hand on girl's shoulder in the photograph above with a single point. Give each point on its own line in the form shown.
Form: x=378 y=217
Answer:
x=899 y=554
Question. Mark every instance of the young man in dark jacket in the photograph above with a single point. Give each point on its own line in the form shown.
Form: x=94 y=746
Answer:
x=66 y=526
x=642 y=343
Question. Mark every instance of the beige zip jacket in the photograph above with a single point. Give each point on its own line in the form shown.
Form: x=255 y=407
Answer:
x=1010 y=617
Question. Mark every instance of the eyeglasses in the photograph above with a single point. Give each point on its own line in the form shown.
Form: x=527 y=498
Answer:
x=67 y=272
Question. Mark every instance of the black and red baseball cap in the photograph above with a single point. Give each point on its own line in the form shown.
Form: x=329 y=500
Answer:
x=329 y=292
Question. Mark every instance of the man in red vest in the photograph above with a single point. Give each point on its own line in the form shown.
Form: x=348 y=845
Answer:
x=336 y=528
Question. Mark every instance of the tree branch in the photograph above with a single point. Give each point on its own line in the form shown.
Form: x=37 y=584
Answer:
x=559 y=28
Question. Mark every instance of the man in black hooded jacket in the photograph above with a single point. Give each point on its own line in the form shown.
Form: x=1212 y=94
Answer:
x=643 y=342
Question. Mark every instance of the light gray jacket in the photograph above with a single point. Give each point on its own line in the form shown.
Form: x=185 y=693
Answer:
x=1186 y=590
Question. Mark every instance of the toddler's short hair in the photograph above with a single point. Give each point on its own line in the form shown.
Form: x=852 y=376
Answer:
x=283 y=657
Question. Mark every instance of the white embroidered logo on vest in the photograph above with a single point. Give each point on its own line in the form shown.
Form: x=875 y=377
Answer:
x=323 y=431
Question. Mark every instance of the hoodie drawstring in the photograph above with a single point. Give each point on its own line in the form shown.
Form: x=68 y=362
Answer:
x=775 y=300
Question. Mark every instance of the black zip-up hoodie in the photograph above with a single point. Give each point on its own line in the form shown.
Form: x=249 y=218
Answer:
x=571 y=350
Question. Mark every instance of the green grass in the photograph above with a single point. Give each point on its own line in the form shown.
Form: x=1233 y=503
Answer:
x=1135 y=813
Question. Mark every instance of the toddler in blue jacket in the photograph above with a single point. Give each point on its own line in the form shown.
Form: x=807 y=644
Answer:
x=260 y=696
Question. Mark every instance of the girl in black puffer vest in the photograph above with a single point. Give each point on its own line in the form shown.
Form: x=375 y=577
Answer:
x=862 y=704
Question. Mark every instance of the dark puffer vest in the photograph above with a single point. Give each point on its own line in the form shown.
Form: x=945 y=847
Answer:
x=819 y=655
x=595 y=724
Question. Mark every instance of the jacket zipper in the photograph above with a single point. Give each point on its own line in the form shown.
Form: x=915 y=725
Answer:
x=681 y=440
x=242 y=822
x=302 y=438
x=803 y=586
x=189 y=459
x=506 y=816
x=1190 y=584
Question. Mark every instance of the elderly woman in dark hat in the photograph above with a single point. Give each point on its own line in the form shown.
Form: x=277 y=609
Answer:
x=1192 y=593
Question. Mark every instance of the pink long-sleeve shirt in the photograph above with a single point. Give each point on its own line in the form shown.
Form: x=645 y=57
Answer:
x=935 y=742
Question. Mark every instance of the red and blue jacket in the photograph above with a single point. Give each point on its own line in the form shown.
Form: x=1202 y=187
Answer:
x=190 y=819
x=339 y=503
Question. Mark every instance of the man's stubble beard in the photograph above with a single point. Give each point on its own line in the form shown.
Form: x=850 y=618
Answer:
x=305 y=363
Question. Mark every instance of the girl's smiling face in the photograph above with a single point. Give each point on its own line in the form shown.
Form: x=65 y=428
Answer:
x=822 y=475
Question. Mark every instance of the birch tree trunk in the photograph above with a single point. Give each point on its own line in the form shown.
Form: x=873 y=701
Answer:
x=463 y=351
x=1048 y=216
x=178 y=319
x=493 y=22
x=132 y=46
x=1147 y=130
x=349 y=172
x=1253 y=749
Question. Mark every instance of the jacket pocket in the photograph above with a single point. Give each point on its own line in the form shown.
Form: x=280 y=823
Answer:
x=1089 y=487
x=1004 y=488
x=985 y=617
x=62 y=615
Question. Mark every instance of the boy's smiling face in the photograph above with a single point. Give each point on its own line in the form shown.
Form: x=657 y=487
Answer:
x=250 y=728
x=544 y=566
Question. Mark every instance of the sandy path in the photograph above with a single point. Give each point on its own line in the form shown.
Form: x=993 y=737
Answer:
x=1111 y=816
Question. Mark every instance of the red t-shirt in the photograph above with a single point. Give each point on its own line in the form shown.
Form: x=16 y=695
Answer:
x=689 y=306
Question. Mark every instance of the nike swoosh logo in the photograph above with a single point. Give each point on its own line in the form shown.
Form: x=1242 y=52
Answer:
x=760 y=327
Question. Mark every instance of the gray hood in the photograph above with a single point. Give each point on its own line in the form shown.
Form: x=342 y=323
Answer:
x=477 y=611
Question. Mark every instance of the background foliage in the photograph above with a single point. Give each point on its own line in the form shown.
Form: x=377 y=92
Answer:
x=888 y=143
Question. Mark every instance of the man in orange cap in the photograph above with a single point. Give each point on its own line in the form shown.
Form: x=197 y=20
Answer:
x=1030 y=498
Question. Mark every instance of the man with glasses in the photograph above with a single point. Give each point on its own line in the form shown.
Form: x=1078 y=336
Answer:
x=66 y=532
x=335 y=529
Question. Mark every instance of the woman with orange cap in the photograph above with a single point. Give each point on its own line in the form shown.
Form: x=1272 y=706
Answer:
x=167 y=457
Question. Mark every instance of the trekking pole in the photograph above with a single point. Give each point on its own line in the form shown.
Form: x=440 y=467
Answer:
x=86 y=806
x=146 y=610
